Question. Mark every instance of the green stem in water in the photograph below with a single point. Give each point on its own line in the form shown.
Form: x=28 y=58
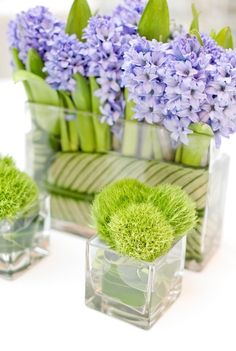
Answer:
x=196 y=153
x=65 y=140
x=137 y=137
x=102 y=130
x=72 y=124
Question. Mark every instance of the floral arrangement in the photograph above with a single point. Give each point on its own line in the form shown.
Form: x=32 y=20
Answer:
x=173 y=79
x=167 y=213
x=125 y=95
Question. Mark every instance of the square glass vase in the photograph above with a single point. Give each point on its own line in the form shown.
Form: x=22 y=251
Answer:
x=73 y=157
x=24 y=240
x=134 y=291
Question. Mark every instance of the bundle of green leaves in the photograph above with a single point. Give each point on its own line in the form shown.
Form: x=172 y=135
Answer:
x=141 y=221
x=18 y=192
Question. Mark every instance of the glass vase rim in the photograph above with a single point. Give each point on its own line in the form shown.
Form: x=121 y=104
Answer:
x=102 y=244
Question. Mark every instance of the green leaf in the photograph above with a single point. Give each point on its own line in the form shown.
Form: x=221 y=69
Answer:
x=16 y=60
x=19 y=65
x=78 y=18
x=129 y=106
x=196 y=34
x=225 y=38
x=69 y=129
x=202 y=128
x=102 y=130
x=95 y=100
x=155 y=21
x=41 y=92
x=82 y=95
x=195 y=21
x=35 y=64
x=213 y=34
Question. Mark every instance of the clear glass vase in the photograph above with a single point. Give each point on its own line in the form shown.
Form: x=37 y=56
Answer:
x=73 y=156
x=135 y=291
x=24 y=240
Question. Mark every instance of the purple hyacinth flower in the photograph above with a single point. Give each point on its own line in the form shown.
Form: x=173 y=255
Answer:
x=35 y=28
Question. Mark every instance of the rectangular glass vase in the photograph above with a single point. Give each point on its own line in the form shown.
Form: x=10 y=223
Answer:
x=24 y=240
x=73 y=157
x=135 y=291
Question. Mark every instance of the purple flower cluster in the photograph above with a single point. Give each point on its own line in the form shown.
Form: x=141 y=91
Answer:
x=36 y=28
x=181 y=83
x=106 y=43
x=129 y=13
x=65 y=59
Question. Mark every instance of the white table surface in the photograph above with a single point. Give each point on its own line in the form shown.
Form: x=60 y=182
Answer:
x=44 y=309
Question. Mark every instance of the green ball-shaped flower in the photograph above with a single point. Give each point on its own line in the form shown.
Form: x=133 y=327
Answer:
x=141 y=231
x=18 y=192
x=114 y=197
x=177 y=207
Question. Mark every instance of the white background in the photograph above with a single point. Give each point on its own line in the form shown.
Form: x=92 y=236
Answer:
x=44 y=309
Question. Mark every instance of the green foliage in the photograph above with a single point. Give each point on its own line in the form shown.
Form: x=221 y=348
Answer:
x=225 y=38
x=114 y=197
x=155 y=21
x=141 y=231
x=18 y=192
x=196 y=34
x=41 y=92
x=176 y=206
x=78 y=18
x=34 y=63
x=129 y=106
x=195 y=22
x=82 y=94
x=19 y=65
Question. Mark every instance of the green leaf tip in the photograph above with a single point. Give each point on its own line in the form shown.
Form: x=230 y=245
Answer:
x=34 y=63
x=155 y=21
x=195 y=21
x=196 y=34
x=78 y=18
x=82 y=94
x=225 y=38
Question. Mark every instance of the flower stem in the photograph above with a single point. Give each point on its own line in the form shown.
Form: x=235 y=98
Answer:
x=102 y=130
x=196 y=153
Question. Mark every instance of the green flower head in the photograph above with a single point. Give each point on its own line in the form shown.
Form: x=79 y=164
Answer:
x=176 y=206
x=141 y=231
x=115 y=196
x=18 y=192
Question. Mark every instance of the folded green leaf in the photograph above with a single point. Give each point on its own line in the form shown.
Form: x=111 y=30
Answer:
x=225 y=38
x=202 y=128
x=19 y=65
x=69 y=129
x=41 y=92
x=213 y=34
x=82 y=100
x=196 y=34
x=35 y=64
x=155 y=21
x=82 y=95
x=78 y=18
x=195 y=21
x=129 y=106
